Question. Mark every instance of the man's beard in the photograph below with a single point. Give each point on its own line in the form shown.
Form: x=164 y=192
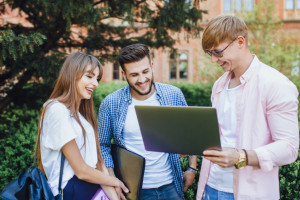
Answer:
x=139 y=92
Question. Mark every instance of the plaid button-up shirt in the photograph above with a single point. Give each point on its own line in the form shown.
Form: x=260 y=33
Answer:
x=112 y=116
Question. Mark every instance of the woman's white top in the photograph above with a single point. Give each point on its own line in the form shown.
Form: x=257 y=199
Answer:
x=60 y=127
x=222 y=178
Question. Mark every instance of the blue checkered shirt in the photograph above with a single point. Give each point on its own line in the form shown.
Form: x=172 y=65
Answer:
x=112 y=116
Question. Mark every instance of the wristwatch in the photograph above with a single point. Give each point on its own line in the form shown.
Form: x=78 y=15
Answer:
x=242 y=161
x=193 y=170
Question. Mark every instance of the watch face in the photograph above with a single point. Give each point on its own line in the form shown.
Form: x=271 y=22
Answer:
x=241 y=164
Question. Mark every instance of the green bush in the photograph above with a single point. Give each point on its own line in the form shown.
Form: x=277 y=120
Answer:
x=18 y=129
x=290 y=181
x=103 y=90
x=196 y=94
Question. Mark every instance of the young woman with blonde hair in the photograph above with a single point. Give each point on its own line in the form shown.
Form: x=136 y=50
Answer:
x=67 y=125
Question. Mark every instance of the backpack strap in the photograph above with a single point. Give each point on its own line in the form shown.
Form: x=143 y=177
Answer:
x=60 y=191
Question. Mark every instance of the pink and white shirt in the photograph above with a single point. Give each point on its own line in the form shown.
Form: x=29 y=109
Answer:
x=267 y=122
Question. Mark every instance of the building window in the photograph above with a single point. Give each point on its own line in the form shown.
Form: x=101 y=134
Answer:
x=248 y=5
x=227 y=5
x=292 y=10
x=178 y=66
x=237 y=5
x=289 y=4
x=292 y=4
x=117 y=75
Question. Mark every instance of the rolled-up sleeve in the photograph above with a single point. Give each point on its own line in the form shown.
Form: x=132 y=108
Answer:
x=105 y=133
x=282 y=118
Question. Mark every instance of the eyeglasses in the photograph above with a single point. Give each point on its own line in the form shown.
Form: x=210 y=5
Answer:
x=218 y=53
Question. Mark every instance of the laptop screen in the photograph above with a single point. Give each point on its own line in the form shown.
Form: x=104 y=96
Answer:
x=182 y=130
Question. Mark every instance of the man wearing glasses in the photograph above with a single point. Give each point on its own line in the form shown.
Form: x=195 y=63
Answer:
x=257 y=111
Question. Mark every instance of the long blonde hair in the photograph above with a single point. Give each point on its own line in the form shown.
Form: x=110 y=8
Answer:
x=66 y=92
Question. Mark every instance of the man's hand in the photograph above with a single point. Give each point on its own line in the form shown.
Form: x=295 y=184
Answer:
x=225 y=158
x=188 y=178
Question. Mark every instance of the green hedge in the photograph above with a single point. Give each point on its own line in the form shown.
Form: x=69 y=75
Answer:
x=18 y=128
x=289 y=176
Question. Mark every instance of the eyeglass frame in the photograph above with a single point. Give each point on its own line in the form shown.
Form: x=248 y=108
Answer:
x=217 y=53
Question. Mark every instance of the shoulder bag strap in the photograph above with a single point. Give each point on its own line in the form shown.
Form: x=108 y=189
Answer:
x=61 y=173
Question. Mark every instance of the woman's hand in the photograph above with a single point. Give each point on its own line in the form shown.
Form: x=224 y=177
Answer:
x=121 y=187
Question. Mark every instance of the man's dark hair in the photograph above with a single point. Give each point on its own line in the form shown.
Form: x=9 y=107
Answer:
x=133 y=53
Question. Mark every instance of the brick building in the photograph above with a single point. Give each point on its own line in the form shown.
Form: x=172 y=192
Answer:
x=185 y=65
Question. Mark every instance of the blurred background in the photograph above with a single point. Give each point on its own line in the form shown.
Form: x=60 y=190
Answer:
x=37 y=35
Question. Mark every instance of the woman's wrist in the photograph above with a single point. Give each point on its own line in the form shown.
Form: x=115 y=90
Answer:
x=117 y=182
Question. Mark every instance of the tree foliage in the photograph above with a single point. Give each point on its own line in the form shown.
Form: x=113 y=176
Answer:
x=271 y=42
x=98 y=27
x=17 y=138
x=13 y=46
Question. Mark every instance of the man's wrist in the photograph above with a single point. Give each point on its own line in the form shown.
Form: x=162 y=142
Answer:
x=193 y=170
x=242 y=160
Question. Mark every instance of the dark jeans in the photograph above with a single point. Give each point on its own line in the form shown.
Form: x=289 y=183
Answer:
x=165 y=192
x=78 y=190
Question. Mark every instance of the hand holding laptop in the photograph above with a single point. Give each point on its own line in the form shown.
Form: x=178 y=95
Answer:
x=227 y=157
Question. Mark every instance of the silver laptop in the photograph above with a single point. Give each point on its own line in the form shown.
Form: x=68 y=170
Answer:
x=182 y=130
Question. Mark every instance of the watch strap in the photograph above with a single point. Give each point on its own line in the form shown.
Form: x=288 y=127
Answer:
x=246 y=156
x=193 y=170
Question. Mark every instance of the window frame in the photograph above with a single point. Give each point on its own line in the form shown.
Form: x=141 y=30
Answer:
x=177 y=60
x=292 y=13
x=120 y=77
x=233 y=4
x=296 y=5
